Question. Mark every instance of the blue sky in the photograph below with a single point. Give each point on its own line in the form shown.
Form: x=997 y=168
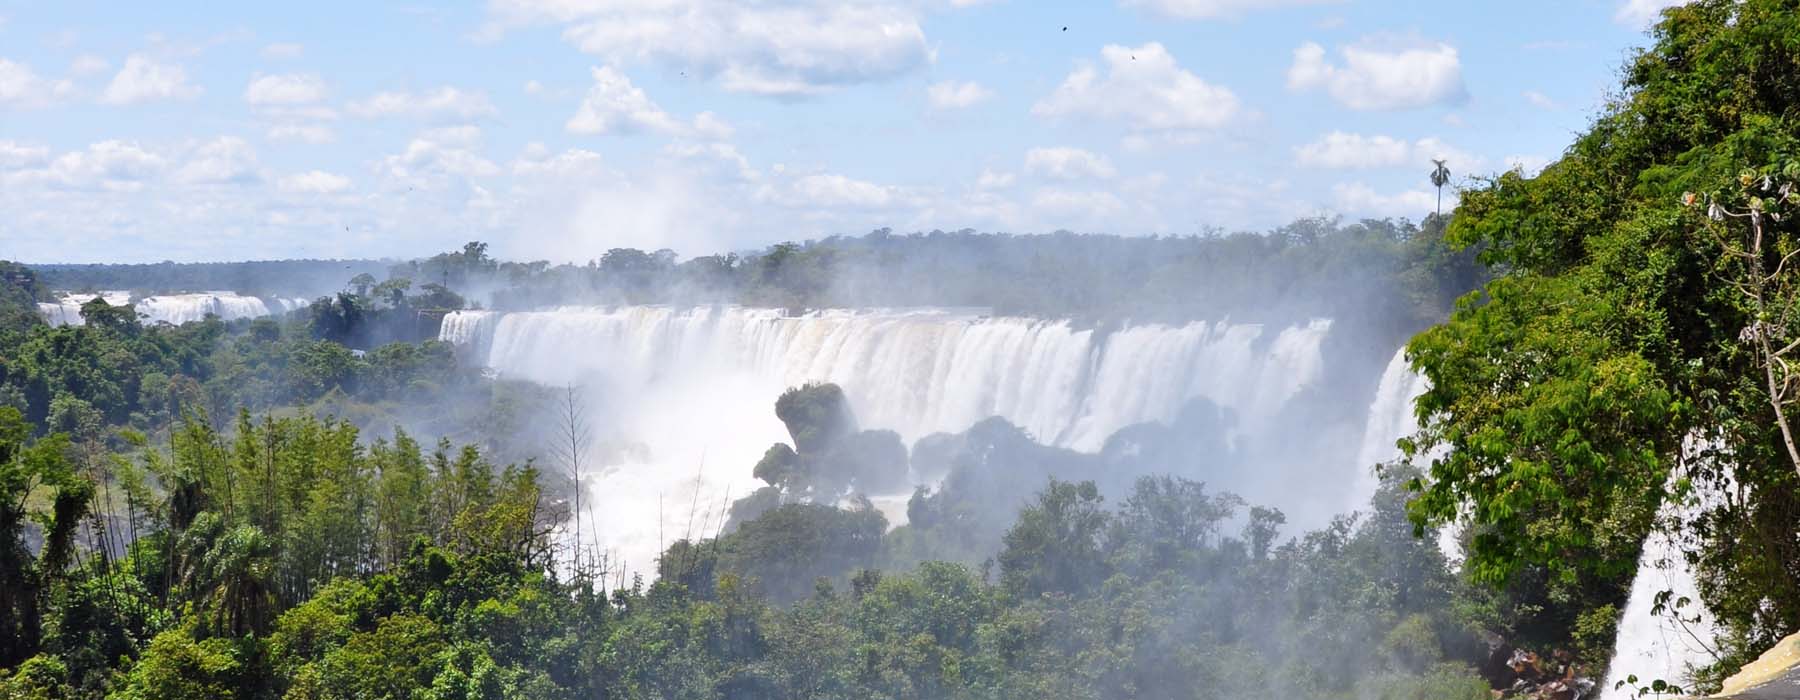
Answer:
x=556 y=129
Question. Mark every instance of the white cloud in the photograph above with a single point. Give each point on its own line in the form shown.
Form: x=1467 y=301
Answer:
x=1341 y=150
x=460 y=136
x=1540 y=100
x=951 y=94
x=538 y=162
x=614 y=105
x=781 y=49
x=1638 y=14
x=22 y=88
x=841 y=191
x=1064 y=163
x=992 y=180
x=819 y=192
x=444 y=102
x=1358 y=199
x=1071 y=208
x=533 y=87
x=435 y=158
x=302 y=133
x=106 y=165
x=19 y=156
x=88 y=64
x=288 y=89
x=712 y=126
x=1214 y=9
x=1144 y=87
x=1374 y=78
x=314 y=182
x=281 y=50
x=226 y=160
x=145 y=79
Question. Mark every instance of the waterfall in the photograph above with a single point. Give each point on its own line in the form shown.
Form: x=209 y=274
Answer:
x=687 y=394
x=1390 y=418
x=174 y=309
x=1663 y=646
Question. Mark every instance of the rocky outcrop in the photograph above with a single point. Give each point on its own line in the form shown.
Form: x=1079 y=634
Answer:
x=1774 y=675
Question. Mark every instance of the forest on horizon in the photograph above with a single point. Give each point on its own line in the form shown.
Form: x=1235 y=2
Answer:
x=333 y=504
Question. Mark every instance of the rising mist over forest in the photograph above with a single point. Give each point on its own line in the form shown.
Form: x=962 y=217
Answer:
x=539 y=389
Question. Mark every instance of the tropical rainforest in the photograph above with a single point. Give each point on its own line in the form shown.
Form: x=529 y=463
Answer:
x=333 y=504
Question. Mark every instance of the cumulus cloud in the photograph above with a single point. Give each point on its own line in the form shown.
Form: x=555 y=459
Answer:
x=1214 y=9
x=1540 y=100
x=1143 y=87
x=614 y=105
x=88 y=64
x=1359 y=199
x=993 y=180
x=227 y=160
x=779 y=49
x=834 y=191
x=436 y=157
x=1342 y=150
x=1374 y=78
x=314 y=182
x=145 y=79
x=20 y=87
x=113 y=165
x=302 y=133
x=951 y=94
x=1065 y=163
x=1638 y=14
x=288 y=89
x=18 y=156
x=443 y=102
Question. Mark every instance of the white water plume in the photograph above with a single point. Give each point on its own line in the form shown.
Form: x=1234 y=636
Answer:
x=174 y=309
x=1667 y=644
x=687 y=394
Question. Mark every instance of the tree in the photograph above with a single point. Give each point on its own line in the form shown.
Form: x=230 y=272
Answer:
x=1055 y=546
x=573 y=438
x=1631 y=350
x=363 y=282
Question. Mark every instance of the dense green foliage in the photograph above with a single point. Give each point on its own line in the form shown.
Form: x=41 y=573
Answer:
x=1615 y=364
x=289 y=561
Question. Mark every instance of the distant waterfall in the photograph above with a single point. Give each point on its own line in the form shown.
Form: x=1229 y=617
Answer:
x=693 y=389
x=919 y=372
x=1390 y=418
x=174 y=309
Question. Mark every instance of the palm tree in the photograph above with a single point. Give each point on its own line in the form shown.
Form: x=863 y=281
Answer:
x=1440 y=176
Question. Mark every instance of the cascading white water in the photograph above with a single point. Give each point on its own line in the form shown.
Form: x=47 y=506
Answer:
x=1390 y=418
x=1668 y=645
x=174 y=309
x=66 y=310
x=691 y=390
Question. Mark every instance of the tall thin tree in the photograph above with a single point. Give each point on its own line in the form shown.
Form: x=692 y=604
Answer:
x=1440 y=176
x=574 y=435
